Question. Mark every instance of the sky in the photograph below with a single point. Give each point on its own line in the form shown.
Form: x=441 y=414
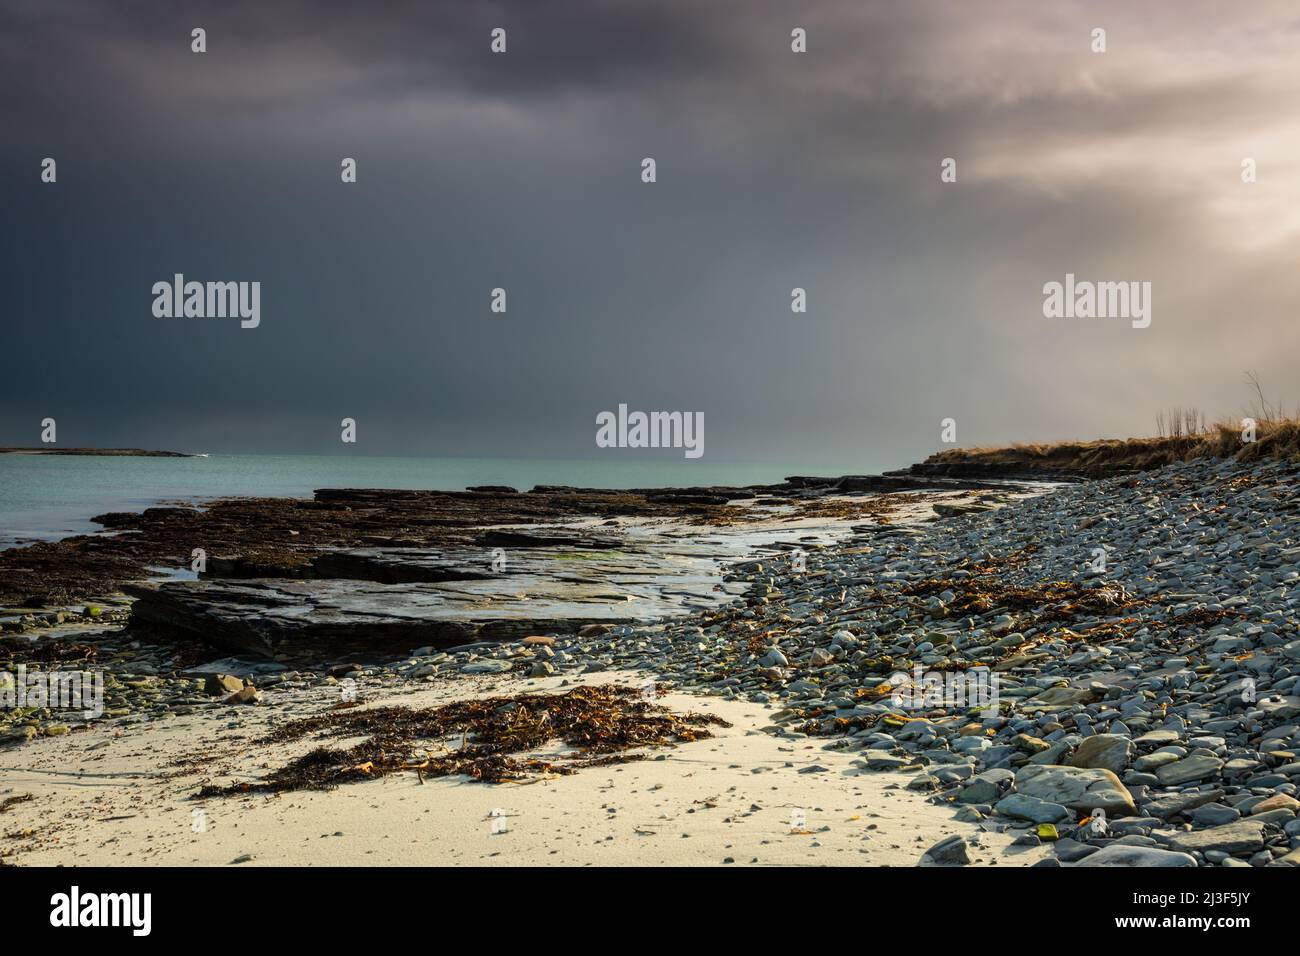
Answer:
x=522 y=170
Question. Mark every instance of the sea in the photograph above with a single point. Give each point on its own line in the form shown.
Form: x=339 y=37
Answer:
x=47 y=497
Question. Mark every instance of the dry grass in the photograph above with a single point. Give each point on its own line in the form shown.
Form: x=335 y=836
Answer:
x=1275 y=439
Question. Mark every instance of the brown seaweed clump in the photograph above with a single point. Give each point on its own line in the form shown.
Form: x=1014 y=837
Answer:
x=17 y=650
x=491 y=740
x=1054 y=600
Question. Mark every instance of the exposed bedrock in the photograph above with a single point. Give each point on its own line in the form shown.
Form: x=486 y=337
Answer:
x=393 y=599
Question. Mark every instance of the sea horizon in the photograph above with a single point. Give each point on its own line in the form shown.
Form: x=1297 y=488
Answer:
x=45 y=497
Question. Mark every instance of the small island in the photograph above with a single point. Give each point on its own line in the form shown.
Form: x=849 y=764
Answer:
x=107 y=452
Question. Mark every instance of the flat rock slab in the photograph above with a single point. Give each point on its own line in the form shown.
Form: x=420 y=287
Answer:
x=1175 y=803
x=1188 y=769
x=399 y=599
x=1158 y=738
x=403 y=566
x=1141 y=856
x=1235 y=839
x=1280 y=706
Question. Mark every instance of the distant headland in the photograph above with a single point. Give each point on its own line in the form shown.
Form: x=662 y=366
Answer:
x=116 y=452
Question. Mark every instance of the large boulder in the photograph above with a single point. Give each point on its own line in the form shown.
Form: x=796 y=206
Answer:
x=1102 y=751
x=1081 y=789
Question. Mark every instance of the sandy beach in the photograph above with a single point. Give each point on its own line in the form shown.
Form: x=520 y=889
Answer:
x=111 y=797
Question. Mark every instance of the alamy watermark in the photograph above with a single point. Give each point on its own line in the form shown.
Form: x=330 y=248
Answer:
x=626 y=429
x=208 y=300
x=1082 y=299
x=57 y=690
x=973 y=688
x=75 y=908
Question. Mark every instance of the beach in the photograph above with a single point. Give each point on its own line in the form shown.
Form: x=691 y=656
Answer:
x=112 y=798
x=1137 y=634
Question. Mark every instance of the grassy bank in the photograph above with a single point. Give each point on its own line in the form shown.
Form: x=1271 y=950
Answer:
x=1279 y=438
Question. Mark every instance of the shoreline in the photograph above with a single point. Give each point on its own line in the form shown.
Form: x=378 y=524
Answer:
x=1161 y=688
x=284 y=533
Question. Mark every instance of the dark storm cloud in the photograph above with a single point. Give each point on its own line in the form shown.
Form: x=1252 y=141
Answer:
x=776 y=170
x=310 y=52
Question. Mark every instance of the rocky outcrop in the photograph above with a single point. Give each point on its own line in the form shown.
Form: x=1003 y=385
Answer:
x=380 y=599
x=283 y=537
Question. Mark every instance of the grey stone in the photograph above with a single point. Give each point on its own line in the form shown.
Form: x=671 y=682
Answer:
x=948 y=851
x=1072 y=851
x=1175 y=803
x=1235 y=839
x=1019 y=806
x=978 y=791
x=1189 y=769
x=486 y=667
x=1137 y=856
x=1213 y=815
x=1080 y=789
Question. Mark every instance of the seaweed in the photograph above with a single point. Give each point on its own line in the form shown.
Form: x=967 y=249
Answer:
x=490 y=740
x=1061 y=600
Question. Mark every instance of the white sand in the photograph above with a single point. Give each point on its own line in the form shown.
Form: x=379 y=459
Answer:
x=108 y=796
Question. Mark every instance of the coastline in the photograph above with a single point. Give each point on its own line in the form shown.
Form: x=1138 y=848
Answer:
x=280 y=535
x=98 y=452
x=1122 y=689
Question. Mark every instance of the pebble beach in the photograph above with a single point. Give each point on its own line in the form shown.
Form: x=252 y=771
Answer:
x=1139 y=631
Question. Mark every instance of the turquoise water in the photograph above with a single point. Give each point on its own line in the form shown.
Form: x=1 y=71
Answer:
x=44 y=497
